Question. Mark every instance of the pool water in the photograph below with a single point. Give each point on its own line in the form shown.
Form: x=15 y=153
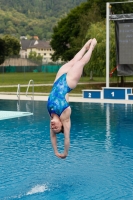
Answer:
x=99 y=165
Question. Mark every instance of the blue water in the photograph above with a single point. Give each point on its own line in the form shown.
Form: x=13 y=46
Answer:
x=100 y=161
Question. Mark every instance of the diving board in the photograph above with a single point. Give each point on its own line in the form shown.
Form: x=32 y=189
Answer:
x=13 y=114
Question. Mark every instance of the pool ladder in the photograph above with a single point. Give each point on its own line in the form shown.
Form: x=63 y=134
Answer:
x=18 y=95
x=30 y=82
x=18 y=90
x=27 y=91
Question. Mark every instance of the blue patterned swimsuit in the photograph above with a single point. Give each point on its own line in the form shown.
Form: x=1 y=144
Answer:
x=56 y=101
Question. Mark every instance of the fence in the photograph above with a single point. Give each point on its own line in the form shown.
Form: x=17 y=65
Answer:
x=15 y=64
x=42 y=68
x=22 y=65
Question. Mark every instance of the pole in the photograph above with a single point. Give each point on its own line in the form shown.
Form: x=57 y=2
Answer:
x=107 y=44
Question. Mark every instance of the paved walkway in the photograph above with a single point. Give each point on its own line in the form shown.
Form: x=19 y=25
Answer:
x=71 y=99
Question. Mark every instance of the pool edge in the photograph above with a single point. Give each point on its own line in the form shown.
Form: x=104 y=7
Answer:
x=71 y=99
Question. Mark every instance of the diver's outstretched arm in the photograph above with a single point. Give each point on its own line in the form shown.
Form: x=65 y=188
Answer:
x=53 y=141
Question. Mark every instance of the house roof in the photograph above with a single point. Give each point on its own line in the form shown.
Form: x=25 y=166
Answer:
x=39 y=44
x=25 y=44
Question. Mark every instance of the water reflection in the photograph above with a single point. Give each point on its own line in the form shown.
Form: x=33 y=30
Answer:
x=108 y=137
x=106 y=123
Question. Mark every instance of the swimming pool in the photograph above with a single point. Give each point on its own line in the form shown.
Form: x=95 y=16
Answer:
x=99 y=165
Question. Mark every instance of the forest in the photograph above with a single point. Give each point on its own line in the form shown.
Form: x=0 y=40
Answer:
x=33 y=17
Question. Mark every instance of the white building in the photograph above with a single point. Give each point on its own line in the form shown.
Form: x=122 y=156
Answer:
x=41 y=48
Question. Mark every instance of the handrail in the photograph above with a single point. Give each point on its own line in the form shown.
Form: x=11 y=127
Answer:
x=18 y=92
x=31 y=81
x=18 y=95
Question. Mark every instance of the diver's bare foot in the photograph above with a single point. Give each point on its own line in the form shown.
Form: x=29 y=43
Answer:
x=93 y=43
x=87 y=44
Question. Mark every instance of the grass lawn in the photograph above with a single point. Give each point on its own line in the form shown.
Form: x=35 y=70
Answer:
x=39 y=78
x=23 y=78
x=46 y=78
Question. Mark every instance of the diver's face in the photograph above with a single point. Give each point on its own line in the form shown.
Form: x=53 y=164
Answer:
x=56 y=125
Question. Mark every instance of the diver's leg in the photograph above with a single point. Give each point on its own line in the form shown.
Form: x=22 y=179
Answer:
x=75 y=72
x=66 y=67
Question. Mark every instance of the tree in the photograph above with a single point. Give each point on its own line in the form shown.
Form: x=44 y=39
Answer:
x=69 y=32
x=34 y=57
x=12 y=45
x=85 y=21
x=65 y=31
x=116 y=8
x=2 y=51
x=21 y=13
x=97 y=63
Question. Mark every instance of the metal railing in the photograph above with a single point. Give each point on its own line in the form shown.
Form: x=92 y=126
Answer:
x=27 y=91
x=31 y=82
x=18 y=92
x=18 y=95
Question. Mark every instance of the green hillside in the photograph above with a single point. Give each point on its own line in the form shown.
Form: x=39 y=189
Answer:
x=33 y=17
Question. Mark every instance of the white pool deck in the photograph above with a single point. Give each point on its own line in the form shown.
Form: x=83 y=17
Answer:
x=71 y=99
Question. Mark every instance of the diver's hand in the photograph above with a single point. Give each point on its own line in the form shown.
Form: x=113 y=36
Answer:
x=61 y=155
